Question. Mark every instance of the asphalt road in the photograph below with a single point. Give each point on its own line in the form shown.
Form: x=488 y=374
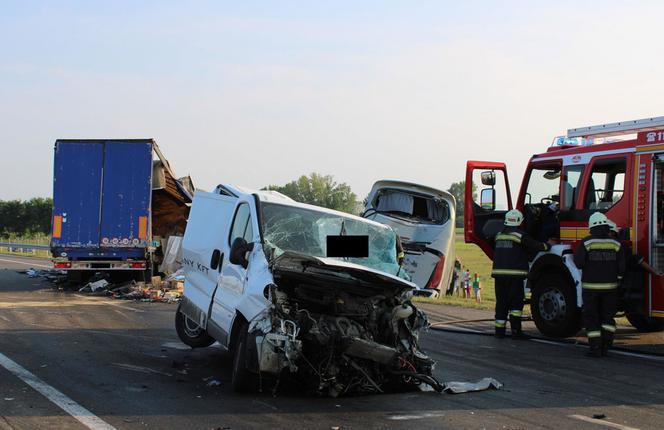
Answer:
x=119 y=364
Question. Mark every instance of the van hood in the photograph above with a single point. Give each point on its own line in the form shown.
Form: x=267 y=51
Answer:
x=320 y=270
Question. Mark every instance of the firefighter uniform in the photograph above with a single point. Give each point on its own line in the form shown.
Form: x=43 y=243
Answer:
x=513 y=250
x=602 y=260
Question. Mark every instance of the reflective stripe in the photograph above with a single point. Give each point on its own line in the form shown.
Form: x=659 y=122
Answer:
x=514 y=237
x=509 y=272
x=516 y=313
x=602 y=244
x=600 y=286
x=609 y=327
x=594 y=333
x=501 y=323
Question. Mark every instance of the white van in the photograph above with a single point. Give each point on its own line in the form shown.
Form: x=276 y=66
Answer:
x=423 y=217
x=260 y=282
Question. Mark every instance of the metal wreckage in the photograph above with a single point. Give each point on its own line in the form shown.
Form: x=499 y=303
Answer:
x=285 y=297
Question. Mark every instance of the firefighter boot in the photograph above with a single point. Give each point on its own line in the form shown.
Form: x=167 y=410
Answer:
x=595 y=347
x=607 y=343
x=515 y=325
x=500 y=330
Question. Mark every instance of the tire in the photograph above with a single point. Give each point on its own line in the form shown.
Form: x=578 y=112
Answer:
x=242 y=380
x=553 y=306
x=643 y=323
x=191 y=333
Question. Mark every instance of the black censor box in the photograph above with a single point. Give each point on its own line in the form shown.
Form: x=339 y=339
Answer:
x=348 y=246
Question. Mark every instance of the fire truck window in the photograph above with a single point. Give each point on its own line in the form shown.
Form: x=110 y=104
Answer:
x=606 y=184
x=500 y=189
x=571 y=187
x=658 y=216
x=543 y=186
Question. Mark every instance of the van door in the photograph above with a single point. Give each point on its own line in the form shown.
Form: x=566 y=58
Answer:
x=203 y=251
x=233 y=277
x=484 y=212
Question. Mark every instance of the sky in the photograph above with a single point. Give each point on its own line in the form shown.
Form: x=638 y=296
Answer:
x=256 y=92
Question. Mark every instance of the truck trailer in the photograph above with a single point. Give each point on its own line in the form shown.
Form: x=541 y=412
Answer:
x=616 y=169
x=115 y=203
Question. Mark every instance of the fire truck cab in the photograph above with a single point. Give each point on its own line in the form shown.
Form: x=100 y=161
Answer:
x=616 y=169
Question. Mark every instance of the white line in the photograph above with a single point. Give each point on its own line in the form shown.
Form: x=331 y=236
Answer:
x=26 y=264
x=601 y=422
x=611 y=352
x=77 y=411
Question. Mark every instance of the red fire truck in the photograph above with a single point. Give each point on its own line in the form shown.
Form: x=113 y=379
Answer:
x=617 y=169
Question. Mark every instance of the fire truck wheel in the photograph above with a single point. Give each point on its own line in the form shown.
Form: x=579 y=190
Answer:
x=643 y=323
x=553 y=306
x=191 y=333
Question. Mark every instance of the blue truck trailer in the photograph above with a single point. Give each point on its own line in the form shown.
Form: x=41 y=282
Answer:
x=115 y=203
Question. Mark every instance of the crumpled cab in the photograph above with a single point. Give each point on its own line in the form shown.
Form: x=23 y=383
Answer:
x=424 y=219
x=290 y=288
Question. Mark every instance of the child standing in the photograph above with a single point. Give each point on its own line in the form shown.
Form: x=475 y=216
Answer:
x=476 y=288
x=468 y=284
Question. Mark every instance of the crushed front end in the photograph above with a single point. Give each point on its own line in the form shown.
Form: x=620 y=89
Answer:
x=340 y=329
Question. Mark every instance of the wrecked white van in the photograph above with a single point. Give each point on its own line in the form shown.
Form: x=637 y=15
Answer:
x=423 y=217
x=261 y=282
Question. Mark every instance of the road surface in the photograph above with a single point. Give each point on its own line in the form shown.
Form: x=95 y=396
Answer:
x=71 y=361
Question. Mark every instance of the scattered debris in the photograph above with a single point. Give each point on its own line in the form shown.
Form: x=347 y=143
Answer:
x=467 y=387
x=9 y=399
x=214 y=383
x=94 y=286
x=599 y=416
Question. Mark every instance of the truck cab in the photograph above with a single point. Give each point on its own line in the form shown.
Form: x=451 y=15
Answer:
x=588 y=170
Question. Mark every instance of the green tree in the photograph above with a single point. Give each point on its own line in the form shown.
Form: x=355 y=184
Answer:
x=319 y=190
x=25 y=218
x=458 y=190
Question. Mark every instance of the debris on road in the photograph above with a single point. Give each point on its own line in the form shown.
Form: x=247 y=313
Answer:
x=94 y=286
x=467 y=387
x=213 y=383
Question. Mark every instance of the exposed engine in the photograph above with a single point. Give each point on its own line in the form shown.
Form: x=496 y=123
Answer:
x=340 y=338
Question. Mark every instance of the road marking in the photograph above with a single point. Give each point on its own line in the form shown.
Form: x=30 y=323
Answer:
x=140 y=369
x=176 y=345
x=601 y=422
x=26 y=264
x=611 y=352
x=56 y=397
x=415 y=417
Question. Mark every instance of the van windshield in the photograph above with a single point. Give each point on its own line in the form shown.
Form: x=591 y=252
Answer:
x=412 y=206
x=303 y=230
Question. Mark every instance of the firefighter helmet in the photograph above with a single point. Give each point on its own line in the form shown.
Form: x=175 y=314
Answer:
x=613 y=226
x=513 y=218
x=597 y=219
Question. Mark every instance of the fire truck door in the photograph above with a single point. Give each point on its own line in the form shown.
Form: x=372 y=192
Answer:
x=487 y=199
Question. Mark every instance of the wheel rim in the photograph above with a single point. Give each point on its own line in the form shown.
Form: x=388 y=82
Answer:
x=552 y=305
x=191 y=329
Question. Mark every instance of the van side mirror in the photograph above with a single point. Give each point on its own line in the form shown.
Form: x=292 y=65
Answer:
x=238 y=253
x=488 y=199
x=489 y=178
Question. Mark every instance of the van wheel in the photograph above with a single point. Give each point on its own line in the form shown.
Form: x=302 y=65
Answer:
x=553 y=307
x=242 y=380
x=190 y=333
x=643 y=323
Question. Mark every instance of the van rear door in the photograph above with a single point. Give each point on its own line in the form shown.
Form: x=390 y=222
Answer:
x=484 y=212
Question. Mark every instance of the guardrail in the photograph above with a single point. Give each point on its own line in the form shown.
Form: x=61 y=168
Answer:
x=25 y=249
x=27 y=246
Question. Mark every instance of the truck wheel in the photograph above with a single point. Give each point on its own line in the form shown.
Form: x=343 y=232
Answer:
x=643 y=323
x=242 y=380
x=191 y=333
x=553 y=306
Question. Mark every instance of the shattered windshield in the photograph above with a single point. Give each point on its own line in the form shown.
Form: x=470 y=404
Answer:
x=288 y=228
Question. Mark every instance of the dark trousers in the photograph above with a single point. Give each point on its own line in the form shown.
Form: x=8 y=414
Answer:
x=509 y=300
x=599 y=308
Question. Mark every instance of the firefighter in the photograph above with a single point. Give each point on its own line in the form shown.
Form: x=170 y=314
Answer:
x=602 y=260
x=514 y=248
